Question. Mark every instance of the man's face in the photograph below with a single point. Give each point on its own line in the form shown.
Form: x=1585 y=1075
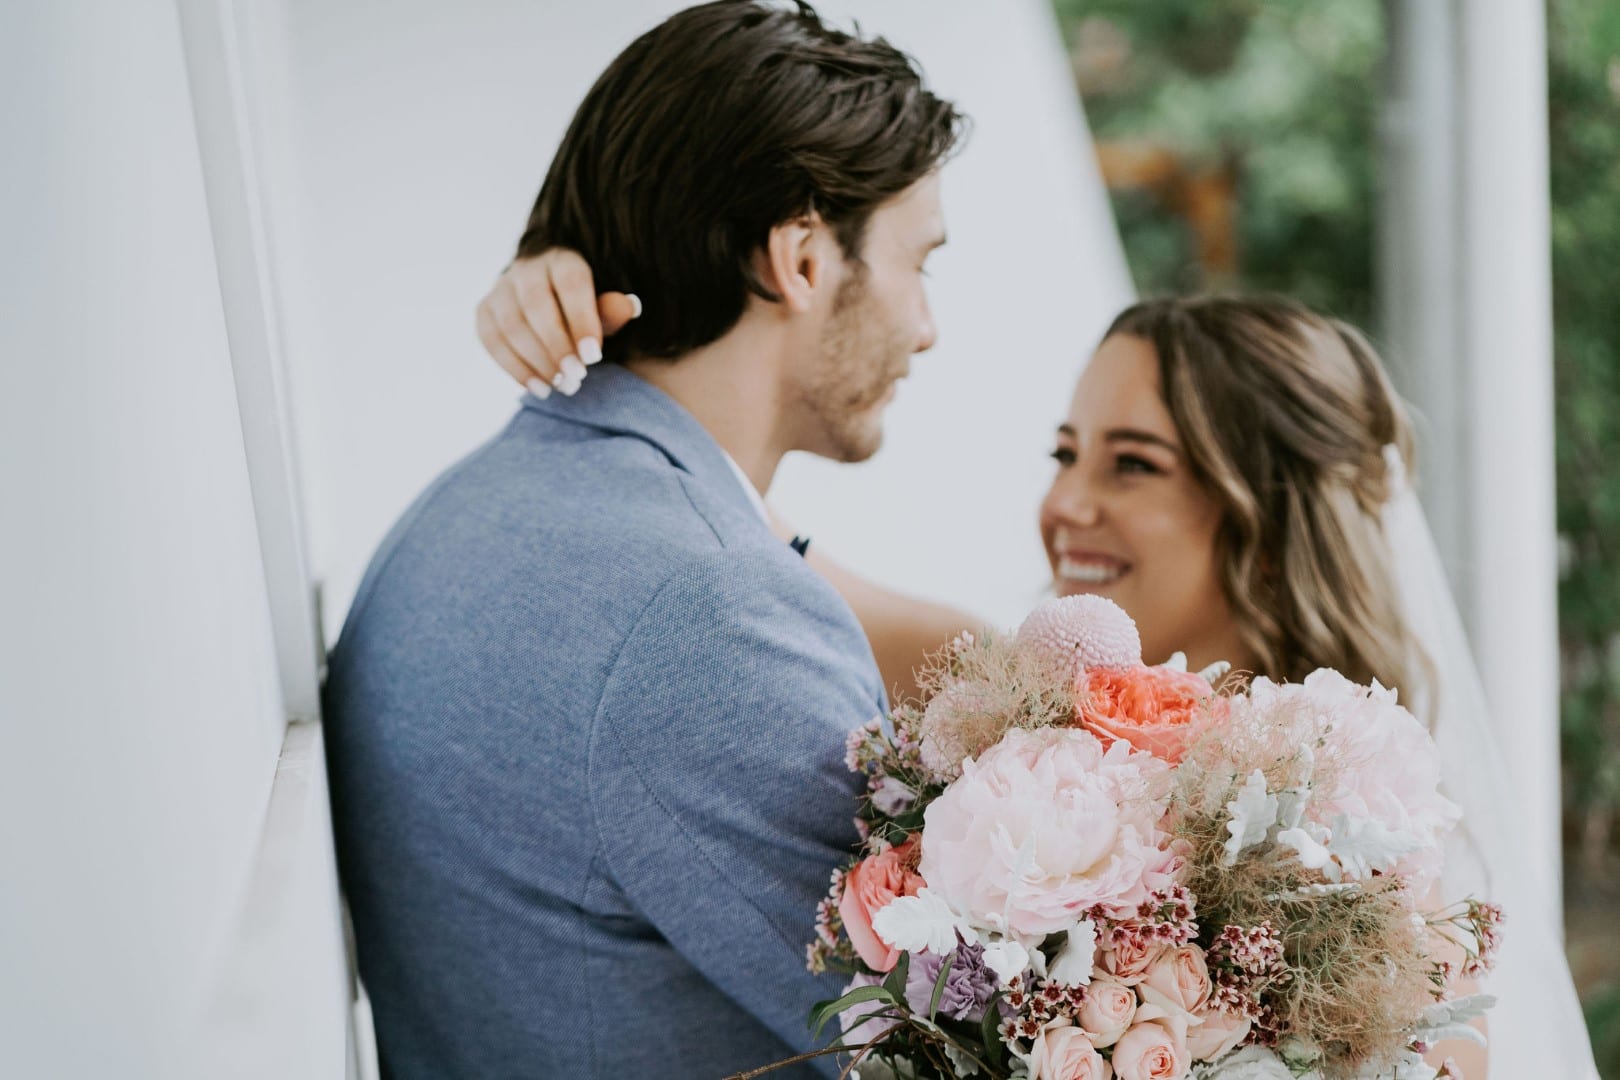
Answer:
x=879 y=318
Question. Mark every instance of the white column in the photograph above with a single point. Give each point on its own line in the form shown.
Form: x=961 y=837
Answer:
x=1466 y=299
x=1506 y=275
x=1419 y=299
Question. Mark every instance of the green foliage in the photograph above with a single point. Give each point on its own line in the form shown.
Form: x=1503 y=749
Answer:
x=1584 y=87
x=1286 y=92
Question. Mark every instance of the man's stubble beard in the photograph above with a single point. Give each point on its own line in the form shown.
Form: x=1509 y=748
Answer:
x=860 y=357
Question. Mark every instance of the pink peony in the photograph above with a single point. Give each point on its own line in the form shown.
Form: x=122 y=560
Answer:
x=1084 y=632
x=1157 y=709
x=1062 y=1052
x=1150 y=1050
x=1045 y=826
x=1376 y=802
x=869 y=887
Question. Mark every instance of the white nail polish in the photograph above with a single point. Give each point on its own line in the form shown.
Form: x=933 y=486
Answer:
x=538 y=389
x=635 y=301
x=590 y=351
x=570 y=386
x=560 y=379
x=574 y=368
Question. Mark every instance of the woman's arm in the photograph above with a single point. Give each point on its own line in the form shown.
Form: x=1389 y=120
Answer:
x=903 y=630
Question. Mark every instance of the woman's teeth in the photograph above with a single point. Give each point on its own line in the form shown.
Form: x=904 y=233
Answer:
x=1090 y=573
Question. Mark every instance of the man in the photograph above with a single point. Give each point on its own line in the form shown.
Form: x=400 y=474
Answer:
x=586 y=718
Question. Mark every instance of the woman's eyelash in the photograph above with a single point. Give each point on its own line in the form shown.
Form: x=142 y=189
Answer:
x=1125 y=463
x=1132 y=463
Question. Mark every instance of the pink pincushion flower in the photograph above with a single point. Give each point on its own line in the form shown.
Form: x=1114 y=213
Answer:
x=1045 y=826
x=1088 y=631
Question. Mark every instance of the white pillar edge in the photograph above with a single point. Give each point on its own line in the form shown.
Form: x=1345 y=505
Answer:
x=211 y=40
x=1506 y=274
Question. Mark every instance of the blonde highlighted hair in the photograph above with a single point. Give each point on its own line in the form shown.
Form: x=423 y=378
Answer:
x=1284 y=415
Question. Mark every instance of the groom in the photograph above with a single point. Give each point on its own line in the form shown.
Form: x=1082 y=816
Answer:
x=586 y=718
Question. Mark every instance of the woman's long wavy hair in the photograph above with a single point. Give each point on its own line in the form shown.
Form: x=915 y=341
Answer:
x=1285 y=415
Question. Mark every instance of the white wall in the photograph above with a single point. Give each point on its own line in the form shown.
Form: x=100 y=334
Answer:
x=168 y=907
x=420 y=138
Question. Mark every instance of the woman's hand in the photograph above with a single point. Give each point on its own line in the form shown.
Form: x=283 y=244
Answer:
x=544 y=324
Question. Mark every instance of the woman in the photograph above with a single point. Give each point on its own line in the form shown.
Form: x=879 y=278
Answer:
x=1225 y=473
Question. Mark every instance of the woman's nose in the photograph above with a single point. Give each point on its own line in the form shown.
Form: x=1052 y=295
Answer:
x=1073 y=502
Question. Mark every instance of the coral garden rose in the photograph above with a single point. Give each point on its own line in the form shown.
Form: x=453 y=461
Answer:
x=870 y=886
x=1156 y=709
x=1150 y=1050
x=1045 y=826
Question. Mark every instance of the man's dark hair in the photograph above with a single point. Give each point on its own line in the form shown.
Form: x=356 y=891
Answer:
x=710 y=130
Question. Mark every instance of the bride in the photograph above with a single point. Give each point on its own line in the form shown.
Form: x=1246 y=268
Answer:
x=1232 y=472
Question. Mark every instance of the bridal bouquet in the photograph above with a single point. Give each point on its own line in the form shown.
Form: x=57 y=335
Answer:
x=1077 y=867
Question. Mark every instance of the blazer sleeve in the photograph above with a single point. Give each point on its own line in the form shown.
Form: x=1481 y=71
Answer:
x=721 y=798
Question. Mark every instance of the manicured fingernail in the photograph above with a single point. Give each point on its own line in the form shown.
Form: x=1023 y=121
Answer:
x=635 y=302
x=538 y=389
x=567 y=382
x=575 y=369
x=590 y=351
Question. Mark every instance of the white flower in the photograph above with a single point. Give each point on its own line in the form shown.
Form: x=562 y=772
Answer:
x=961 y=1064
x=1008 y=958
x=1077 y=959
x=1307 y=840
x=1248 y=1063
x=1449 y=1019
x=1363 y=845
x=1352 y=848
x=1254 y=812
x=921 y=923
x=891 y=797
x=1410 y=1067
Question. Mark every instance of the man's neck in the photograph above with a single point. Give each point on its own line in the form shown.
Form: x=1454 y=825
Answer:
x=733 y=387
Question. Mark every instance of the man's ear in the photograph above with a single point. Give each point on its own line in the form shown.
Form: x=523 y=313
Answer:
x=795 y=261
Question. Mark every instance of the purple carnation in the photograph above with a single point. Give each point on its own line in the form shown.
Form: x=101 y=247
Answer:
x=968 y=988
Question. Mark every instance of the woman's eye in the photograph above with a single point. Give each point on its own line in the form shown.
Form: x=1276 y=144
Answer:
x=1130 y=463
x=1063 y=456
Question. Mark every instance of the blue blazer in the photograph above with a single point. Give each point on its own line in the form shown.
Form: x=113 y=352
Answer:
x=586 y=728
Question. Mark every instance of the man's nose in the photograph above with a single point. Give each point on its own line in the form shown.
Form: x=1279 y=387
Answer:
x=927 y=333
